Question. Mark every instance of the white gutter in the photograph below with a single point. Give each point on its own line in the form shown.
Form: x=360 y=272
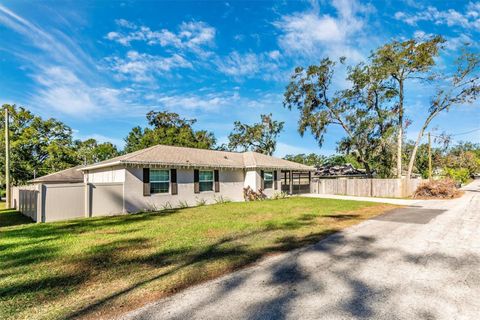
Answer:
x=171 y=164
x=100 y=165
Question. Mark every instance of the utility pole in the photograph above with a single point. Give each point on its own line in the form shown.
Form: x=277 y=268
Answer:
x=7 y=158
x=429 y=158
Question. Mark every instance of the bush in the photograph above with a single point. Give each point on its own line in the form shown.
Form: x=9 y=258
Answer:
x=221 y=199
x=279 y=195
x=250 y=195
x=182 y=204
x=461 y=175
x=444 y=189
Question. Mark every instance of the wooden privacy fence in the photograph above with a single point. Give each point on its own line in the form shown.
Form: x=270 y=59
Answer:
x=388 y=188
x=68 y=200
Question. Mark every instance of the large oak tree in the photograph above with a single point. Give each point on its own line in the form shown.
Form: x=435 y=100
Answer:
x=168 y=128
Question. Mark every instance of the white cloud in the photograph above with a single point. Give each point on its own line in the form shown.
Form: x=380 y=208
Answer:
x=190 y=35
x=65 y=80
x=275 y=54
x=237 y=65
x=452 y=43
x=144 y=67
x=61 y=90
x=191 y=102
x=470 y=18
x=265 y=65
x=310 y=33
x=210 y=102
x=60 y=49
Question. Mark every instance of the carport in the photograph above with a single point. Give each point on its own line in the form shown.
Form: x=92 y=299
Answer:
x=296 y=182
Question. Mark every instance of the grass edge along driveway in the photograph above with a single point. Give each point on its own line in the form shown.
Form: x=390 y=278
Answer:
x=100 y=267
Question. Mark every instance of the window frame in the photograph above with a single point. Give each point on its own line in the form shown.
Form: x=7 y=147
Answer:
x=160 y=181
x=272 y=180
x=212 y=181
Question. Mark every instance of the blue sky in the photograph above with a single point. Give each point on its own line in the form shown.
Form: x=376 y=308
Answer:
x=101 y=66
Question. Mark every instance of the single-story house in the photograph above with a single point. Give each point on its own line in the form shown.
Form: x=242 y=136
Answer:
x=167 y=177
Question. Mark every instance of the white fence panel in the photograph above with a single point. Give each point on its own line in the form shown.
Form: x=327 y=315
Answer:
x=63 y=201
x=396 y=188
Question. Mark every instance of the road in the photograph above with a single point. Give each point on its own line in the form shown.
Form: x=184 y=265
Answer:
x=421 y=262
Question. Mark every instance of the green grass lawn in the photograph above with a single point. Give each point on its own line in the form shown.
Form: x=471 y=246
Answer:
x=93 y=267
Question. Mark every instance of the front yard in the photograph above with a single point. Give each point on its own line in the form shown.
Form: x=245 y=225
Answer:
x=106 y=266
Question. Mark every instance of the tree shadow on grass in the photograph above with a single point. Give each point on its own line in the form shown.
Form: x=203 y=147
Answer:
x=79 y=226
x=229 y=249
x=9 y=218
x=109 y=257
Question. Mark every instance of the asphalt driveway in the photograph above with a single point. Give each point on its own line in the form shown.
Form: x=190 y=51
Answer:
x=421 y=262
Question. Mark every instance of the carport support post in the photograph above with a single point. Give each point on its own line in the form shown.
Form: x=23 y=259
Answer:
x=291 y=181
x=40 y=207
x=88 y=200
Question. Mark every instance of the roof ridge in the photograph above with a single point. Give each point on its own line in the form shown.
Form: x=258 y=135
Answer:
x=202 y=149
x=138 y=152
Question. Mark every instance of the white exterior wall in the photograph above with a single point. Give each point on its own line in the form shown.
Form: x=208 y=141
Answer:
x=106 y=175
x=231 y=188
x=253 y=178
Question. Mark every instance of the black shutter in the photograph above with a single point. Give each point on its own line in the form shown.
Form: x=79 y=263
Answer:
x=146 y=181
x=196 y=184
x=173 y=181
x=262 y=179
x=217 y=181
x=275 y=182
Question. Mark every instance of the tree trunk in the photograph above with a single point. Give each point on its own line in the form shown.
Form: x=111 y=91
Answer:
x=368 y=171
x=400 y=130
x=414 y=153
x=417 y=143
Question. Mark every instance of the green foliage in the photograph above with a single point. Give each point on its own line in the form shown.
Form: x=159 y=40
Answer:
x=259 y=137
x=170 y=129
x=311 y=159
x=411 y=58
x=463 y=156
x=90 y=151
x=182 y=204
x=221 y=199
x=279 y=195
x=458 y=174
x=37 y=145
x=201 y=202
x=421 y=161
x=315 y=160
x=363 y=111
x=457 y=158
x=340 y=160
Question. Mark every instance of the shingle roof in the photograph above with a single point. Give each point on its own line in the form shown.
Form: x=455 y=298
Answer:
x=70 y=175
x=163 y=155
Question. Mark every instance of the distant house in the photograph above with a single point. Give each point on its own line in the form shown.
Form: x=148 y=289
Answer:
x=162 y=177
x=339 y=171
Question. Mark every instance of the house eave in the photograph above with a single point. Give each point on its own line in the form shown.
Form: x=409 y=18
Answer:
x=189 y=166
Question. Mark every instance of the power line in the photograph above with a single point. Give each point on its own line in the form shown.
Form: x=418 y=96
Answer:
x=455 y=134
x=467 y=132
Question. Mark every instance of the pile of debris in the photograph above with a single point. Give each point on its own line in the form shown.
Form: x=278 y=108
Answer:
x=346 y=170
x=437 y=189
